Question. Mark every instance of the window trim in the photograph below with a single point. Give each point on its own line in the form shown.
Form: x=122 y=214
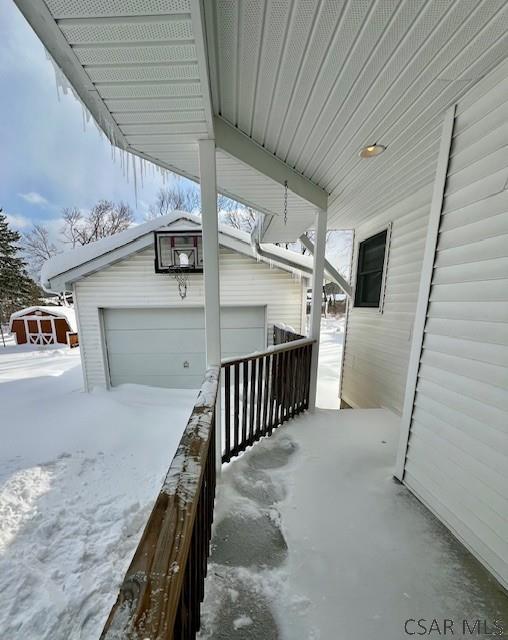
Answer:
x=358 y=242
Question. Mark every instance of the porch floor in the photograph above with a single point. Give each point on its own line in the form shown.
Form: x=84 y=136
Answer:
x=315 y=539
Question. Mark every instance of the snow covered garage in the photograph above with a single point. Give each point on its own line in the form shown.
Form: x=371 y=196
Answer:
x=43 y=325
x=137 y=326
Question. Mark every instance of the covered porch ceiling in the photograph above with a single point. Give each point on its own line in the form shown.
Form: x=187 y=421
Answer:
x=291 y=90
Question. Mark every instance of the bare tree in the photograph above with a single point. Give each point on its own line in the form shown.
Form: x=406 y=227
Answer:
x=235 y=214
x=104 y=219
x=72 y=222
x=38 y=247
x=177 y=197
x=311 y=236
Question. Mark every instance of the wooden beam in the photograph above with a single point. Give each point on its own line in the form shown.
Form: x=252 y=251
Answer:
x=163 y=587
x=238 y=145
x=330 y=270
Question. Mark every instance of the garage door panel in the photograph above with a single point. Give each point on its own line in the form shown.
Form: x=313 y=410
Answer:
x=240 y=341
x=184 y=364
x=148 y=341
x=166 y=381
x=152 y=318
x=165 y=347
x=246 y=317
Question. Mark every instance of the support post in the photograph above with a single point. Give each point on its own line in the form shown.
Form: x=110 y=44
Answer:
x=209 y=221
x=317 y=295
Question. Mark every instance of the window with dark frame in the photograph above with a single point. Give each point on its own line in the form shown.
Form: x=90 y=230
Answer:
x=369 y=275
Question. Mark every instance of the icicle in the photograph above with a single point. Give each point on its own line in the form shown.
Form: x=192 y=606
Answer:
x=135 y=180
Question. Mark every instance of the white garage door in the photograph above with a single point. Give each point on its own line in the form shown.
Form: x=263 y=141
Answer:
x=166 y=347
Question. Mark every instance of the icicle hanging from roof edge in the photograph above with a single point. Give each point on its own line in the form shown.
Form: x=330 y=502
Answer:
x=134 y=170
x=105 y=129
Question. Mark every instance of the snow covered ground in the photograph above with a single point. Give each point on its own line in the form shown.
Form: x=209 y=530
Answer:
x=314 y=540
x=329 y=364
x=78 y=475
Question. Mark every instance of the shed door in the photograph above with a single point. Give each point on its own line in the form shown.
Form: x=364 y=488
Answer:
x=166 y=347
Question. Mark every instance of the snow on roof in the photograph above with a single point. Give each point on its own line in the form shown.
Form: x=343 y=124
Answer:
x=75 y=257
x=181 y=220
x=62 y=312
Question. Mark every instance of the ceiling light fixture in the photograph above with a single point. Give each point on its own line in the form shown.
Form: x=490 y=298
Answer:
x=372 y=150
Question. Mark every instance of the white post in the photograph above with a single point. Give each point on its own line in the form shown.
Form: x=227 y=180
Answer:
x=210 y=225
x=317 y=296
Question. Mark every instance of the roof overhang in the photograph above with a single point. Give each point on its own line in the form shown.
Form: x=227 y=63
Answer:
x=62 y=272
x=290 y=91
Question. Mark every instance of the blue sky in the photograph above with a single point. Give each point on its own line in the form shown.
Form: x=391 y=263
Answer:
x=47 y=161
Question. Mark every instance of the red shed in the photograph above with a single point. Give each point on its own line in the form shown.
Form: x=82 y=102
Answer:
x=44 y=325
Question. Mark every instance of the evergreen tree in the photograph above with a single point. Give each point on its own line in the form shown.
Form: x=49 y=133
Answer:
x=17 y=289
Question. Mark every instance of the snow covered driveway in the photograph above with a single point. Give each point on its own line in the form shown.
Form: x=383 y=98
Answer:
x=78 y=475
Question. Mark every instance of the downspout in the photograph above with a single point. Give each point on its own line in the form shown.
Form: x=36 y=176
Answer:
x=274 y=257
x=330 y=271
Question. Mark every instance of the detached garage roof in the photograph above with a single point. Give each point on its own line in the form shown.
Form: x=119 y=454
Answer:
x=60 y=312
x=61 y=271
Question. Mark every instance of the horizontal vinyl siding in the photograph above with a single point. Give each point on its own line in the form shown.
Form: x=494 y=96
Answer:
x=377 y=344
x=132 y=282
x=457 y=459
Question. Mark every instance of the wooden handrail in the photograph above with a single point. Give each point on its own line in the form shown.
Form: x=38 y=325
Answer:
x=262 y=391
x=163 y=588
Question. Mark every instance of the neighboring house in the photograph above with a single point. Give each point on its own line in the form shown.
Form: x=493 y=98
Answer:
x=43 y=325
x=135 y=327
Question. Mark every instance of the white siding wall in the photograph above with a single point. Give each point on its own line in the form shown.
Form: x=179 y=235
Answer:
x=457 y=459
x=133 y=282
x=377 y=344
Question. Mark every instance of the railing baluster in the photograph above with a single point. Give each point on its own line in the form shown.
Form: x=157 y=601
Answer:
x=272 y=423
x=236 y=425
x=279 y=384
x=267 y=406
x=252 y=400
x=284 y=386
x=268 y=390
x=299 y=384
x=294 y=368
x=308 y=352
x=259 y=403
x=245 y=400
x=227 y=413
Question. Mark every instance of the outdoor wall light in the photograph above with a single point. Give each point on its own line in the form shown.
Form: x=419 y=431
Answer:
x=372 y=150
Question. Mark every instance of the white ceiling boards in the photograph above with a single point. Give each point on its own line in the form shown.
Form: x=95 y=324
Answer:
x=308 y=82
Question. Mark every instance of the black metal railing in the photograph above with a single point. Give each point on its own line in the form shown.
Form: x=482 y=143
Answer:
x=262 y=391
x=281 y=335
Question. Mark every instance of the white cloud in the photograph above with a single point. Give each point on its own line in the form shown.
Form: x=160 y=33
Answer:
x=17 y=221
x=34 y=198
